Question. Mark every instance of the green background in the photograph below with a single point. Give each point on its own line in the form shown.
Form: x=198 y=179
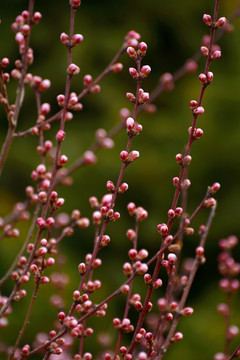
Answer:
x=173 y=32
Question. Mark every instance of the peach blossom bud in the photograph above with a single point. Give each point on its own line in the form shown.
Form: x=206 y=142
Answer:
x=204 y=50
x=129 y=96
x=124 y=156
x=162 y=229
x=97 y=217
x=216 y=55
x=82 y=268
x=142 y=254
x=133 y=155
x=172 y=258
x=110 y=186
x=95 y=89
x=143 y=98
x=107 y=143
x=131 y=52
x=177 y=337
x=132 y=253
x=193 y=104
x=215 y=187
x=132 y=34
x=203 y=78
x=45 y=84
x=50 y=261
x=131 y=208
x=199 y=251
x=175 y=181
x=50 y=221
x=142 y=47
x=16 y=74
x=191 y=65
x=127 y=269
x=223 y=309
x=133 y=72
x=179 y=158
x=73 y=69
x=87 y=80
x=210 y=76
x=36 y=17
x=75 y=3
x=221 y=22
x=185 y=184
x=63 y=160
x=19 y=38
x=89 y=157
x=145 y=71
x=4 y=62
x=77 y=39
x=60 y=135
x=122 y=188
x=41 y=223
x=209 y=202
x=83 y=223
x=198 y=133
x=64 y=38
x=167 y=81
x=25 y=350
x=187 y=159
x=130 y=123
x=117 y=67
x=117 y=323
x=105 y=240
x=131 y=234
x=207 y=19
x=187 y=311
x=171 y=213
x=158 y=283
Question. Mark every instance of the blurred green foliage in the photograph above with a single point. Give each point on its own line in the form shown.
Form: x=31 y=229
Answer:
x=173 y=32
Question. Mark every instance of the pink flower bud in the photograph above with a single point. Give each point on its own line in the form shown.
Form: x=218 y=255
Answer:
x=36 y=17
x=207 y=19
x=203 y=78
x=77 y=39
x=60 y=135
x=145 y=71
x=133 y=72
x=117 y=67
x=41 y=223
x=131 y=52
x=124 y=156
x=87 y=80
x=172 y=258
x=215 y=187
x=89 y=157
x=204 y=50
x=64 y=38
x=216 y=55
x=75 y=3
x=142 y=47
x=83 y=223
x=130 y=123
x=177 y=337
x=221 y=22
x=179 y=158
x=129 y=96
x=73 y=69
x=4 y=62
x=199 y=110
x=162 y=229
x=209 y=202
x=133 y=155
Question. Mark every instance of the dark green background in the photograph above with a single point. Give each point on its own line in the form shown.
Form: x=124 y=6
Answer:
x=173 y=32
